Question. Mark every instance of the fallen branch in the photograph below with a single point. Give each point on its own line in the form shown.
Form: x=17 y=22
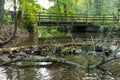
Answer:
x=103 y=62
x=50 y=60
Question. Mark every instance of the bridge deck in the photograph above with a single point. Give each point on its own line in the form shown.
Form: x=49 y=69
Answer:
x=53 y=23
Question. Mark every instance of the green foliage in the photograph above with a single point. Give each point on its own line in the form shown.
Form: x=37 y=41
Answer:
x=52 y=31
x=62 y=6
x=85 y=6
x=103 y=28
x=109 y=7
x=106 y=27
x=7 y=17
x=29 y=8
x=28 y=24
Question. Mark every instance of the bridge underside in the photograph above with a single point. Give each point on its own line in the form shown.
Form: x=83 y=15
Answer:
x=77 y=26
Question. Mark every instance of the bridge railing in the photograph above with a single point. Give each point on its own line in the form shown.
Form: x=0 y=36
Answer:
x=56 y=17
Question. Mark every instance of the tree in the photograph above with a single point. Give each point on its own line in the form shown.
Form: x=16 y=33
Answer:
x=118 y=6
x=1 y=12
x=98 y=6
x=7 y=36
x=29 y=9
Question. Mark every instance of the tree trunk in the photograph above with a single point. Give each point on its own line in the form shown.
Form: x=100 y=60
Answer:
x=1 y=12
x=15 y=25
x=98 y=6
x=19 y=16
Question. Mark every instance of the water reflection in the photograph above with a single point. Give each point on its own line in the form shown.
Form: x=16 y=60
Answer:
x=3 y=75
x=54 y=72
x=14 y=74
x=45 y=63
x=43 y=74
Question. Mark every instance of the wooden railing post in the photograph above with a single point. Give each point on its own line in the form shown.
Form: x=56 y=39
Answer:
x=49 y=17
x=118 y=18
x=57 y=19
x=72 y=19
x=86 y=17
x=103 y=19
x=39 y=19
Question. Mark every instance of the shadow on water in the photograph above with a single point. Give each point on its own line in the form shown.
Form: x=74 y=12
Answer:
x=34 y=40
x=66 y=38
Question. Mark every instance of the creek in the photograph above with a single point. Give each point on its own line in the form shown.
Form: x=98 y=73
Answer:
x=57 y=71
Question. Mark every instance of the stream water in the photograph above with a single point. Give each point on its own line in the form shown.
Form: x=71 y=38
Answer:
x=56 y=71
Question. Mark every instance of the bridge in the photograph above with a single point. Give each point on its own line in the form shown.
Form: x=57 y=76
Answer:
x=56 y=19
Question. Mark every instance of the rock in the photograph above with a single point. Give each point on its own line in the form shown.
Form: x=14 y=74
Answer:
x=5 y=58
x=1 y=61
